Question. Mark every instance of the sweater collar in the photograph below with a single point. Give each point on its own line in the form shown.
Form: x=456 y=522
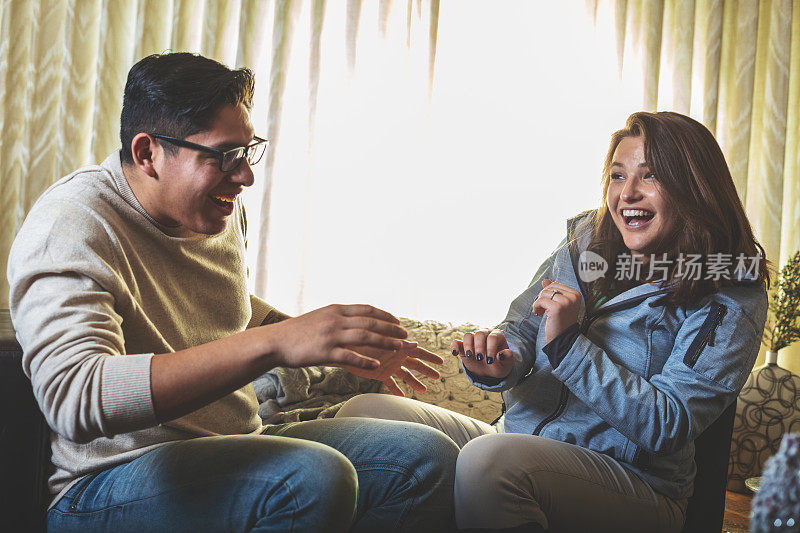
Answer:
x=113 y=163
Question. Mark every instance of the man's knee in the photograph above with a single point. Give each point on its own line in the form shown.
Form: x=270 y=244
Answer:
x=410 y=473
x=434 y=445
x=317 y=469
x=302 y=481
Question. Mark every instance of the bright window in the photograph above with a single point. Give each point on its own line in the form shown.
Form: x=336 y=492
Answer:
x=437 y=207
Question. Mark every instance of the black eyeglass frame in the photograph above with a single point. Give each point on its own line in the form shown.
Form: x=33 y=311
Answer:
x=220 y=153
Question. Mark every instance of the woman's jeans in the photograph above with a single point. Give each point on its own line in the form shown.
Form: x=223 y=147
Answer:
x=320 y=475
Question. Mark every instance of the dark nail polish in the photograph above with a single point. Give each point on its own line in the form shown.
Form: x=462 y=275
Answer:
x=478 y=357
x=469 y=353
x=489 y=360
x=455 y=352
x=501 y=356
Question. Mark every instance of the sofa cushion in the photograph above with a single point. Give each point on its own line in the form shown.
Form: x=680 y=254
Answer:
x=453 y=390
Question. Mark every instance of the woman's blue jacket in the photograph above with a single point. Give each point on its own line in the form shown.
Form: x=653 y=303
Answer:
x=636 y=379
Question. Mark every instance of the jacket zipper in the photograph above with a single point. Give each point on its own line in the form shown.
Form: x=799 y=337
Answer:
x=502 y=411
x=709 y=339
x=585 y=323
x=562 y=404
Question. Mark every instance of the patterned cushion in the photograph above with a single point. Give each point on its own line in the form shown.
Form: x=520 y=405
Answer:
x=453 y=391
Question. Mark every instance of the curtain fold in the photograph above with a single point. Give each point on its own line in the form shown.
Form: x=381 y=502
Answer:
x=433 y=29
x=253 y=17
x=737 y=75
x=45 y=66
x=353 y=20
x=153 y=30
x=281 y=38
x=221 y=29
x=116 y=54
x=790 y=212
x=675 y=84
x=187 y=25
x=706 y=57
x=17 y=17
x=79 y=76
x=765 y=172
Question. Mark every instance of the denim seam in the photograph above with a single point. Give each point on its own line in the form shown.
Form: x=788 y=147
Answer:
x=76 y=500
x=411 y=502
x=204 y=481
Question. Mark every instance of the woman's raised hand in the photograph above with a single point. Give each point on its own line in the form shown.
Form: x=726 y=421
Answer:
x=484 y=353
x=562 y=305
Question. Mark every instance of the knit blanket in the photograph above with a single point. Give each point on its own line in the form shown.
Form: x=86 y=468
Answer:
x=297 y=394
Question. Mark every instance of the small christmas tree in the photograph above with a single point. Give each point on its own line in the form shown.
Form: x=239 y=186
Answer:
x=776 y=505
x=783 y=324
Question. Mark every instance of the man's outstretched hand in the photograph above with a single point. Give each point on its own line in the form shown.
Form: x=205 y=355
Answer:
x=398 y=364
x=325 y=336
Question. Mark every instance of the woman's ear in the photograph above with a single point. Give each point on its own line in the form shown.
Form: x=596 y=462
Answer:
x=143 y=147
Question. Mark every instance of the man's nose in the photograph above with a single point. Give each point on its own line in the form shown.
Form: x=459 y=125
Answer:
x=243 y=174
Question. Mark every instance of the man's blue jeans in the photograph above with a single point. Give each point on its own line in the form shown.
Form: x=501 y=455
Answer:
x=320 y=475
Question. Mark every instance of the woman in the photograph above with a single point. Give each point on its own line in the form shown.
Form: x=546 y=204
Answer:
x=608 y=379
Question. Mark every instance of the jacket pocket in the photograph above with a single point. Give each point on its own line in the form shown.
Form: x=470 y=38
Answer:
x=637 y=457
x=706 y=335
x=79 y=490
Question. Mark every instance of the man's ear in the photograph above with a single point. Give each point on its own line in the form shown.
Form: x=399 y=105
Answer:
x=143 y=147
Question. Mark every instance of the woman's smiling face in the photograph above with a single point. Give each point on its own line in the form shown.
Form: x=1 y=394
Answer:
x=636 y=201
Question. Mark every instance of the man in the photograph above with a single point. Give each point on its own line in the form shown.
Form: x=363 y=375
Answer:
x=128 y=294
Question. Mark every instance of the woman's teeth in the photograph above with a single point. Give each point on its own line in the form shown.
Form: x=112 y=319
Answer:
x=635 y=213
x=636 y=217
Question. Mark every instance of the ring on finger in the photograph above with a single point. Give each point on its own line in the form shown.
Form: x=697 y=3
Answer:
x=555 y=291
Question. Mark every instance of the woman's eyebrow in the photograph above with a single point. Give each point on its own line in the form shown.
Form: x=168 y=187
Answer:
x=641 y=165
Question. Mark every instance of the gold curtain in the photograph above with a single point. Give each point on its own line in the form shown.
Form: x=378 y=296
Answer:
x=735 y=66
x=63 y=65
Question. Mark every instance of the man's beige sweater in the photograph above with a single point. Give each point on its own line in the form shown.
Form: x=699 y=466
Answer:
x=97 y=288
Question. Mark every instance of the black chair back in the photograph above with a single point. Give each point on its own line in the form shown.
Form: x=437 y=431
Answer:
x=24 y=442
x=706 y=508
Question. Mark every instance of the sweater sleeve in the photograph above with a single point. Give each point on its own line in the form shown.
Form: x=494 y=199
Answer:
x=260 y=310
x=62 y=280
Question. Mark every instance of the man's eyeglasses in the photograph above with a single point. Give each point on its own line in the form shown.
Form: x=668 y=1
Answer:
x=229 y=160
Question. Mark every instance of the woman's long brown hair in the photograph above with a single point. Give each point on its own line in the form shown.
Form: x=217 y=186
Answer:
x=701 y=196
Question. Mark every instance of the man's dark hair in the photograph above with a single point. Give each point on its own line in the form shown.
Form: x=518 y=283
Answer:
x=178 y=94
